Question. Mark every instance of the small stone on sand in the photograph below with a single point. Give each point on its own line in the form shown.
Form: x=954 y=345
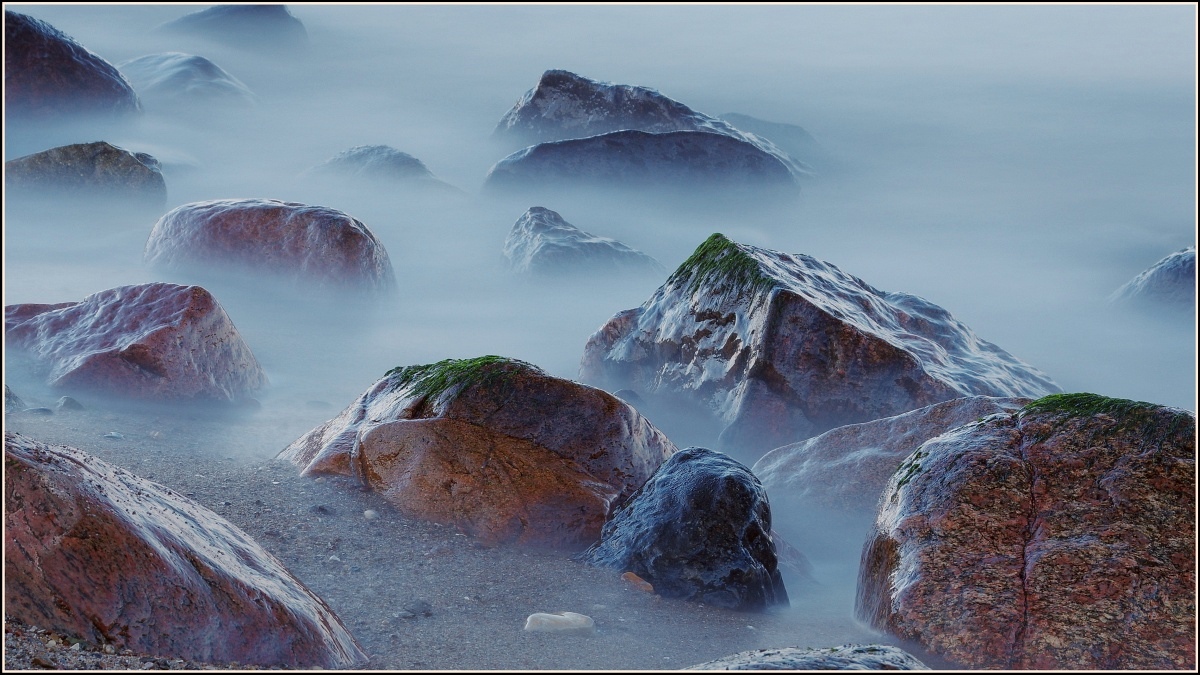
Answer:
x=560 y=622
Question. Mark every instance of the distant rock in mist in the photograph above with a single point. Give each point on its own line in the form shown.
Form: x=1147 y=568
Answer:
x=1168 y=285
x=314 y=246
x=542 y=243
x=250 y=27
x=381 y=164
x=845 y=657
x=564 y=105
x=12 y=402
x=185 y=82
x=87 y=172
x=1059 y=537
x=493 y=446
x=792 y=139
x=158 y=342
x=49 y=77
x=781 y=347
x=844 y=470
x=699 y=529
x=94 y=551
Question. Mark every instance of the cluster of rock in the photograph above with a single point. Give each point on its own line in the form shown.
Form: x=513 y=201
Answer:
x=541 y=242
x=92 y=171
x=782 y=347
x=1169 y=284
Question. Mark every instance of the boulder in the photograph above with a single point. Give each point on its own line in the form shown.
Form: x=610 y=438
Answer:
x=382 y=164
x=541 y=242
x=790 y=138
x=185 y=82
x=1169 y=284
x=250 y=27
x=846 y=657
x=844 y=470
x=782 y=347
x=89 y=170
x=1059 y=537
x=699 y=529
x=153 y=341
x=48 y=76
x=564 y=105
x=313 y=246
x=95 y=552
x=687 y=162
x=494 y=446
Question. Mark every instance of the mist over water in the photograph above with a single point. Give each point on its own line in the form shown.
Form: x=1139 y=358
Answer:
x=1014 y=165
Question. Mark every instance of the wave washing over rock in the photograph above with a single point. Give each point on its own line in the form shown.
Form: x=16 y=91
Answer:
x=781 y=347
x=542 y=242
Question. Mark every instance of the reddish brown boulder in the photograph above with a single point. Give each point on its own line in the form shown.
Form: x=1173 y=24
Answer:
x=96 y=552
x=1059 y=537
x=154 y=341
x=494 y=446
x=314 y=246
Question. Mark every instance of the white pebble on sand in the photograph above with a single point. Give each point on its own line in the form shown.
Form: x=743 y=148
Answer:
x=370 y=514
x=560 y=622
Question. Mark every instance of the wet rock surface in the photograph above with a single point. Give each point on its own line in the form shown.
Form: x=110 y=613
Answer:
x=249 y=27
x=1062 y=536
x=699 y=529
x=780 y=347
x=152 y=342
x=1168 y=284
x=92 y=550
x=845 y=657
x=184 y=81
x=541 y=242
x=492 y=446
x=314 y=246
x=91 y=170
x=48 y=76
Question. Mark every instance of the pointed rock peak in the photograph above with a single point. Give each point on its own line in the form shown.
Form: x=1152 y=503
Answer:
x=720 y=260
x=435 y=379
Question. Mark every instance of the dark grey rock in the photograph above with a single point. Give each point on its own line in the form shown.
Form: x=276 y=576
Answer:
x=1169 y=284
x=185 y=82
x=250 y=27
x=91 y=170
x=698 y=529
x=541 y=242
x=845 y=657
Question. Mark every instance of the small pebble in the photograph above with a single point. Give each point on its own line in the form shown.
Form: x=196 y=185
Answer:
x=115 y=435
x=334 y=558
x=78 y=646
x=109 y=649
x=560 y=622
x=370 y=514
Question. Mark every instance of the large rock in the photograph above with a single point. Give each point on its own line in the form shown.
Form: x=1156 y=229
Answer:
x=564 y=105
x=541 y=242
x=382 y=164
x=493 y=446
x=1169 y=284
x=783 y=347
x=844 y=470
x=699 y=529
x=154 y=341
x=48 y=76
x=185 y=82
x=792 y=139
x=314 y=246
x=846 y=657
x=88 y=170
x=690 y=162
x=250 y=27
x=1060 y=537
x=94 y=552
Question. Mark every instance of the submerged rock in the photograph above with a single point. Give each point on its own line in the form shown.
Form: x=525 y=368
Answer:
x=185 y=81
x=315 y=246
x=93 y=551
x=251 y=27
x=1169 y=284
x=154 y=341
x=699 y=529
x=89 y=171
x=541 y=242
x=491 y=445
x=381 y=163
x=782 y=347
x=845 y=657
x=48 y=76
x=792 y=139
x=1059 y=537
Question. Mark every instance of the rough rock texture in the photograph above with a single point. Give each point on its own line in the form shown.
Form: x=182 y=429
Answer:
x=783 y=347
x=89 y=170
x=251 y=27
x=381 y=163
x=50 y=76
x=845 y=657
x=185 y=81
x=541 y=242
x=315 y=246
x=1170 y=283
x=564 y=105
x=96 y=552
x=1060 y=537
x=637 y=160
x=493 y=446
x=845 y=469
x=699 y=529
x=154 y=341
x=792 y=139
